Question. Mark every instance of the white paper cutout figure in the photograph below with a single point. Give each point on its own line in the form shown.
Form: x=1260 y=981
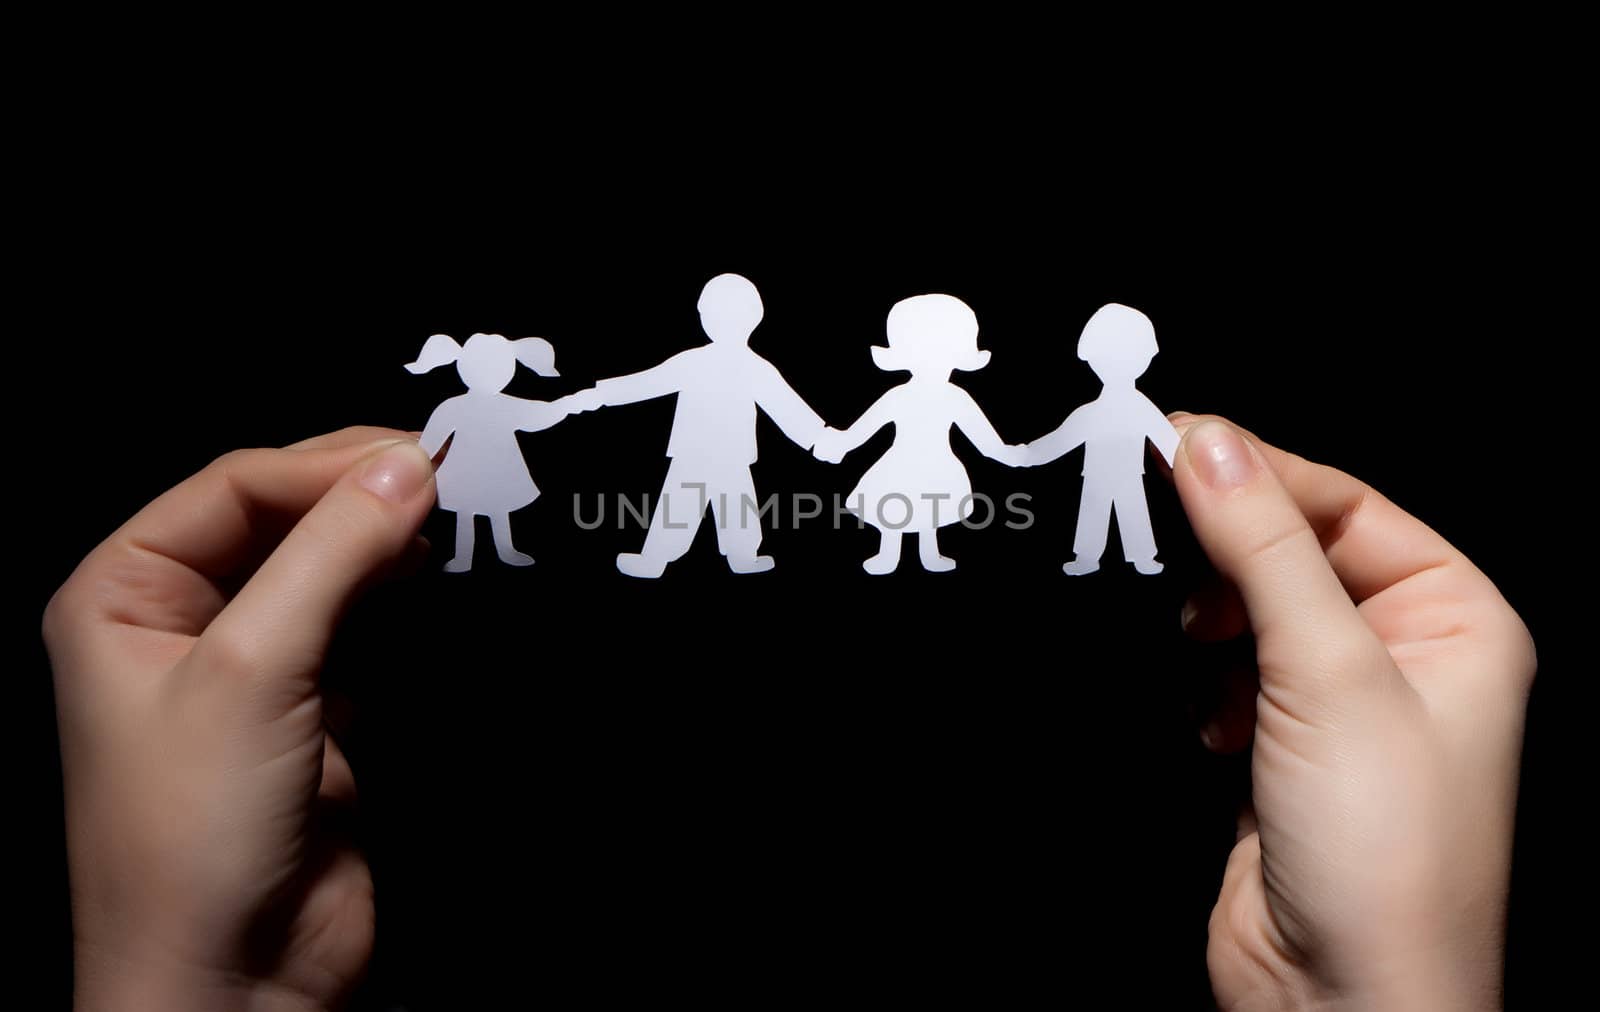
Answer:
x=719 y=386
x=1118 y=343
x=484 y=473
x=919 y=484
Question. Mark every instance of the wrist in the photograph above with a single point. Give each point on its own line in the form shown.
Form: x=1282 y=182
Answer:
x=1444 y=985
x=107 y=981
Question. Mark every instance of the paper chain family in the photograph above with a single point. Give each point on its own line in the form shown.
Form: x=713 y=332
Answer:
x=918 y=485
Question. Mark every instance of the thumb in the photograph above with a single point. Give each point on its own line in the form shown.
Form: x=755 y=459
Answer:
x=275 y=631
x=1313 y=648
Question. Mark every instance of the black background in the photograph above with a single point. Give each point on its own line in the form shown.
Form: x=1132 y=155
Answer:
x=986 y=784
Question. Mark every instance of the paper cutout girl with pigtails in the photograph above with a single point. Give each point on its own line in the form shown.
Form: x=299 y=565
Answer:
x=919 y=484
x=484 y=473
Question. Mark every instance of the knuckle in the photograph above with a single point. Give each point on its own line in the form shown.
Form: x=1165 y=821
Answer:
x=235 y=462
x=1268 y=546
x=232 y=460
x=230 y=655
x=80 y=598
x=1346 y=655
x=1528 y=653
x=1521 y=654
x=61 y=612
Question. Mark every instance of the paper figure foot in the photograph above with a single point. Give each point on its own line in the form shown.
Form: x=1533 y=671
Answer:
x=928 y=552
x=630 y=564
x=500 y=523
x=754 y=564
x=881 y=564
x=464 y=534
x=1081 y=567
x=1149 y=567
x=888 y=556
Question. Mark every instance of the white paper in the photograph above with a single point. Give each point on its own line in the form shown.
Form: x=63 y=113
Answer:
x=1118 y=343
x=919 y=485
x=484 y=473
x=719 y=386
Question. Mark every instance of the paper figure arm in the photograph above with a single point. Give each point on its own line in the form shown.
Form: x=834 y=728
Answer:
x=440 y=424
x=535 y=415
x=1160 y=431
x=1066 y=438
x=657 y=381
x=971 y=420
x=832 y=445
x=785 y=407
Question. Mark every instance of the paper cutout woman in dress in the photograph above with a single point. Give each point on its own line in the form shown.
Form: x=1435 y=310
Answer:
x=919 y=484
x=484 y=473
x=1118 y=343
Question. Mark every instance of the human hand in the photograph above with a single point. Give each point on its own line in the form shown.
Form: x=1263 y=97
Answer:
x=1387 y=717
x=202 y=792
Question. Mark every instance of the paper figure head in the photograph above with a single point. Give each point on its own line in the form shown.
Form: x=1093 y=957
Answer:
x=730 y=308
x=1118 y=343
x=933 y=332
x=486 y=361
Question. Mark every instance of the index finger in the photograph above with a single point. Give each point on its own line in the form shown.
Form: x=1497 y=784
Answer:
x=1371 y=543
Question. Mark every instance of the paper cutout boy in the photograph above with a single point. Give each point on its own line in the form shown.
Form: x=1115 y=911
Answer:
x=1118 y=343
x=719 y=386
x=919 y=484
x=484 y=473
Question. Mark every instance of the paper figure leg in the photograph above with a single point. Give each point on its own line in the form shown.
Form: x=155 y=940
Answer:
x=464 y=538
x=1094 y=521
x=672 y=526
x=500 y=523
x=739 y=526
x=1133 y=526
x=928 y=550
x=888 y=556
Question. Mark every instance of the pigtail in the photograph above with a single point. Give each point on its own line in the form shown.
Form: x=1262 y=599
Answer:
x=537 y=354
x=441 y=349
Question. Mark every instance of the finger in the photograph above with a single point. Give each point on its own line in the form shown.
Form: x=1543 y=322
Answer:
x=1247 y=821
x=338 y=780
x=1371 y=543
x=337 y=816
x=338 y=711
x=414 y=558
x=1312 y=645
x=1214 y=613
x=354 y=435
x=169 y=568
x=1233 y=720
x=275 y=631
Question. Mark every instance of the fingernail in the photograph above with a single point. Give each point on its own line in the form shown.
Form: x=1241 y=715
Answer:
x=1219 y=456
x=1177 y=416
x=397 y=473
x=1190 y=612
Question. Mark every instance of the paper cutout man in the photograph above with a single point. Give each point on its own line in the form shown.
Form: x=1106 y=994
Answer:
x=1118 y=343
x=719 y=387
x=919 y=484
x=484 y=473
